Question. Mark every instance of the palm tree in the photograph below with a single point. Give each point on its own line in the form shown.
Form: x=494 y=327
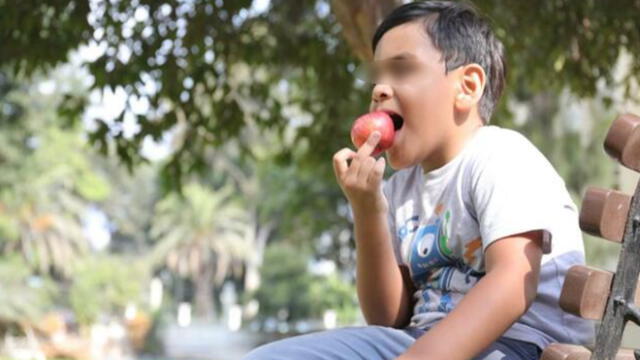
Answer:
x=47 y=180
x=18 y=285
x=49 y=241
x=44 y=191
x=200 y=234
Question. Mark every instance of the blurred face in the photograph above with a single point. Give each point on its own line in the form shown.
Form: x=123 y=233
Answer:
x=410 y=82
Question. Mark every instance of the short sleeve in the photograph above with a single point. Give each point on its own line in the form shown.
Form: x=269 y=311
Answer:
x=514 y=190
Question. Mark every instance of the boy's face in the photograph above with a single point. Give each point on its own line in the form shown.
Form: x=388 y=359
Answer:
x=410 y=80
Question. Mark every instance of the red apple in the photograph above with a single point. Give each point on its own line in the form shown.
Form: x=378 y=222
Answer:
x=374 y=121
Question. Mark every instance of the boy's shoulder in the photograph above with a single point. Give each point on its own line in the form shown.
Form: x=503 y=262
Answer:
x=507 y=145
x=492 y=137
x=491 y=148
x=489 y=140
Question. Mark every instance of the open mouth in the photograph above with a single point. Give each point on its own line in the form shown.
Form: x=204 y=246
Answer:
x=398 y=120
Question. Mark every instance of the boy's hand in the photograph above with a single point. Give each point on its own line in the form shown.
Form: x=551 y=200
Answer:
x=361 y=178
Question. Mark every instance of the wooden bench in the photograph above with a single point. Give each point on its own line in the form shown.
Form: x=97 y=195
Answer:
x=591 y=293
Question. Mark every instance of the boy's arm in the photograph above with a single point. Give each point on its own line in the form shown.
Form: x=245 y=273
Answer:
x=383 y=297
x=491 y=306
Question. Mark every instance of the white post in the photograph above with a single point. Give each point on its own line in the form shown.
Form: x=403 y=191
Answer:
x=155 y=294
x=184 y=314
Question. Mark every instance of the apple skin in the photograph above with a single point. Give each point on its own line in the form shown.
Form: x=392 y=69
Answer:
x=374 y=121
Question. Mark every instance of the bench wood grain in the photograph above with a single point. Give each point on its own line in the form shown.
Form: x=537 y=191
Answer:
x=585 y=292
x=577 y=352
x=623 y=141
x=604 y=213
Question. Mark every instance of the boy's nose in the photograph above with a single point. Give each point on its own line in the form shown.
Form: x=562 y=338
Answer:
x=381 y=92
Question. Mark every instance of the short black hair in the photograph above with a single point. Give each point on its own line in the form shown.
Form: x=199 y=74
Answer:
x=462 y=36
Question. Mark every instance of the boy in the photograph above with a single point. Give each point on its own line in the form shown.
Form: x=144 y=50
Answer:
x=454 y=255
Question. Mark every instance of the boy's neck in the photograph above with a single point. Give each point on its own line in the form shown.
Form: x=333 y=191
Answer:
x=453 y=147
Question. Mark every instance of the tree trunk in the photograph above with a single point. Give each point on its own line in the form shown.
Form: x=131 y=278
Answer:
x=252 y=276
x=204 y=306
x=359 y=19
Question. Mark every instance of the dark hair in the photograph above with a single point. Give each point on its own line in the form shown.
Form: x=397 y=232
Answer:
x=462 y=36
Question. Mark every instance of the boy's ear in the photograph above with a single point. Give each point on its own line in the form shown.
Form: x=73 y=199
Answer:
x=471 y=85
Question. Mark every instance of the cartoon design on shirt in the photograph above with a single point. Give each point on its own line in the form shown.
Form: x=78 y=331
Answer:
x=432 y=263
x=471 y=249
x=446 y=303
x=429 y=251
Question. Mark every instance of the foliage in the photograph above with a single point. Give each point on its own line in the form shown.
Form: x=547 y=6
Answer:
x=333 y=292
x=200 y=235
x=104 y=286
x=254 y=101
x=215 y=66
x=289 y=288
x=211 y=70
x=130 y=204
x=194 y=229
x=216 y=73
x=10 y=111
x=17 y=285
x=46 y=183
x=154 y=342
x=285 y=196
x=565 y=44
x=575 y=149
x=218 y=64
x=285 y=283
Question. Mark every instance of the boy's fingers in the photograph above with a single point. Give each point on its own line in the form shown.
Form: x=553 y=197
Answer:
x=372 y=141
x=340 y=164
x=366 y=168
x=378 y=171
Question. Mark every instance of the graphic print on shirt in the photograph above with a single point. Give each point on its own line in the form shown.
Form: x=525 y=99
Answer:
x=432 y=262
x=429 y=253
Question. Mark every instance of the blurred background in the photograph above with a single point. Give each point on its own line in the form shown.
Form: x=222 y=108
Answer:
x=166 y=189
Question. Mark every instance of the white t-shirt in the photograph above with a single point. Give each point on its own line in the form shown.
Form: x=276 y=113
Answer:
x=442 y=222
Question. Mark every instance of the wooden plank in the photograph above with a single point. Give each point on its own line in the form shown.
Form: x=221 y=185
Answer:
x=604 y=213
x=585 y=291
x=577 y=352
x=624 y=287
x=623 y=141
x=563 y=351
x=621 y=354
